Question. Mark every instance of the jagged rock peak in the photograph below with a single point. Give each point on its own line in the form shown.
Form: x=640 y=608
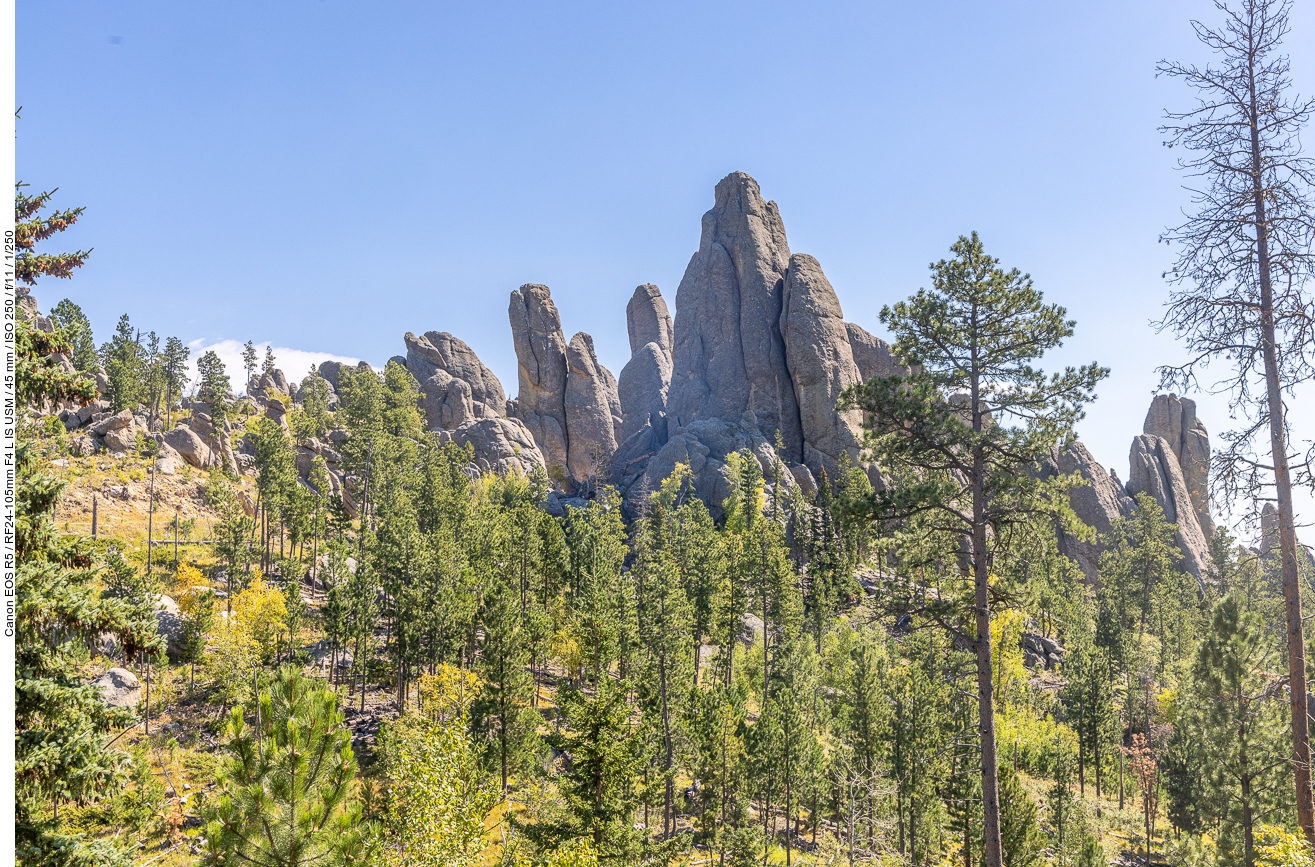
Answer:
x=729 y=357
x=1174 y=419
x=536 y=330
x=647 y=320
x=1154 y=469
x=821 y=365
x=592 y=410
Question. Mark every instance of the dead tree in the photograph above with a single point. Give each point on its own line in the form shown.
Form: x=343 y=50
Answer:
x=1238 y=296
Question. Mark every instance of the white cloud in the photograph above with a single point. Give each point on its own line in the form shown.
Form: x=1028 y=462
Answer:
x=295 y=363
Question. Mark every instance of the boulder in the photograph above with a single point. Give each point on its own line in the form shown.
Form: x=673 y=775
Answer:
x=190 y=446
x=728 y=355
x=590 y=429
x=821 y=365
x=536 y=331
x=119 y=687
x=1153 y=469
x=277 y=412
x=501 y=445
x=169 y=624
x=117 y=421
x=121 y=440
x=82 y=447
x=440 y=352
x=1174 y=419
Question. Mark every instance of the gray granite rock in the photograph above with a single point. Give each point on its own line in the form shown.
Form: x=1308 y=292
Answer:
x=728 y=356
x=536 y=330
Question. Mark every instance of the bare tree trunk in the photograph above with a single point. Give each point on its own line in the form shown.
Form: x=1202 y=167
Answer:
x=1287 y=535
x=992 y=853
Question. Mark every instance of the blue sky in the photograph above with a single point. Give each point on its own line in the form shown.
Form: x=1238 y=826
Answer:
x=326 y=176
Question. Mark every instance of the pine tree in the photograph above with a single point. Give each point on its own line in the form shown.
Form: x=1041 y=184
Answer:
x=268 y=367
x=76 y=332
x=1234 y=718
x=1020 y=836
x=125 y=367
x=603 y=760
x=285 y=788
x=964 y=462
x=249 y=361
x=501 y=716
x=30 y=229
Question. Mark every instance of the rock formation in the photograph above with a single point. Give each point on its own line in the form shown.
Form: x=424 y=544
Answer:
x=502 y=445
x=1174 y=419
x=588 y=402
x=1098 y=504
x=646 y=378
x=536 y=331
x=821 y=364
x=456 y=386
x=1154 y=469
x=871 y=354
x=729 y=357
x=567 y=400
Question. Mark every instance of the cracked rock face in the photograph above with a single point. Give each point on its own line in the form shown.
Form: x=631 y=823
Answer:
x=592 y=410
x=821 y=364
x=536 y=331
x=1154 y=469
x=646 y=379
x=729 y=356
x=1174 y=419
x=456 y=385
x=1098 y=504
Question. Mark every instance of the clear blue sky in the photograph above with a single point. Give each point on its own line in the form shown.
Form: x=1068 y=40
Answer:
x=327 y=175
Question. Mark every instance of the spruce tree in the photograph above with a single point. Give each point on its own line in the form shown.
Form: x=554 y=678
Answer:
x=1020 y=836
x=61 y=725
x=125 y=367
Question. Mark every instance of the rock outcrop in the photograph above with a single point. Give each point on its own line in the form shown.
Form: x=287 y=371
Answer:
x=821 y=364
x=501 y=445
x=1098 y=504
x=456 y=386
x=1174 y=419
x=871 y=354
x=704 y=445
x=646 y=378
x=729 y=357
x=588 y=401
x=1154 y=469
x=536 y=331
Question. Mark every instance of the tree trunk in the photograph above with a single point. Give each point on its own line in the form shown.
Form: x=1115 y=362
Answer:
x=992 y=852
x=1287 y=536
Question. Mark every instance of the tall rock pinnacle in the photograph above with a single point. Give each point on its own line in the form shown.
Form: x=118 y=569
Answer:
x=729 y=356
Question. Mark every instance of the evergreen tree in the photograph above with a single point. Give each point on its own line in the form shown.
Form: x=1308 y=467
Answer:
x=60 y=723
x=960 y=433
x=603 y=759
x=268 y=367
x=249 y=361
x=174 y=362
x=285 y=788
x=501 y=716
x=30 y=229
x=125 y=367
x=1234 y=718
x=1020 y=836
x=76 y=330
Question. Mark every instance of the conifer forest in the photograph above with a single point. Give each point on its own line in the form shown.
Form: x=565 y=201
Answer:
x=874 y=604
